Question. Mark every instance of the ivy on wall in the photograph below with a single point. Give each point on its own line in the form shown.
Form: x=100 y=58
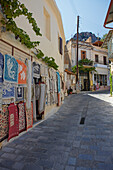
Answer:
x=13 y=9
x=50 y=61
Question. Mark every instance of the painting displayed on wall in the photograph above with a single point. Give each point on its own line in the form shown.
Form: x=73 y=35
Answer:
x=19 y=93
x=10 y=69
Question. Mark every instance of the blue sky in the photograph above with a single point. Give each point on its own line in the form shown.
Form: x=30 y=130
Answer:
x=92 y=15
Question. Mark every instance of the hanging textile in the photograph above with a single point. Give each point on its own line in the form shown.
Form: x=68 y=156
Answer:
x=42 y=70
x=1 y=67
x=10 y=69
x=36 y=70
x=58 y=79
x=42 y=99
x=8 y=90
x=13 y=121
x=22 y=123
x=0 y=97
x=29 y=116
x=37 y=91
x=19 y=93
x=4 y=114
x=22 y=72
x=29 y=79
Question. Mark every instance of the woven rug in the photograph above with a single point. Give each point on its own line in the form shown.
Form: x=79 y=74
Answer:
x=29 y=116
x=4 y=123
x=13 y=121
x=22 y=122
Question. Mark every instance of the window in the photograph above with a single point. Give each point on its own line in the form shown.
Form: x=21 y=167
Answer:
x=96 y=58
x=104 y=59
x=83 y=55
x=47 y=24
x=60 y=45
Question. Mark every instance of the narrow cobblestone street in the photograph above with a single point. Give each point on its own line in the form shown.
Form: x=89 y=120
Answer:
x=62 y=143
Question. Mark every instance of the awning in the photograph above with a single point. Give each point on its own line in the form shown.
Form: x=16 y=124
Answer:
x=109 y=16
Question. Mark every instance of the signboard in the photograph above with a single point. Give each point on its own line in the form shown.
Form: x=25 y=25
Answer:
x=36 y=70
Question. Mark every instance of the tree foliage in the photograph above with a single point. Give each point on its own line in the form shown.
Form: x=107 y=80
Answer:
x=81 y=66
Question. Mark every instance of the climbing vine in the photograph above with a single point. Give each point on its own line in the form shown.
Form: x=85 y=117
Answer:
x=50 y=61
x=13 y=9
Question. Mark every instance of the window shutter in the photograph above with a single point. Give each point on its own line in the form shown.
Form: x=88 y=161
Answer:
x=60 y=45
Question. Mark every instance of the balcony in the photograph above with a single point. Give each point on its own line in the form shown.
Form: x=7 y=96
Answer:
x=100 y=65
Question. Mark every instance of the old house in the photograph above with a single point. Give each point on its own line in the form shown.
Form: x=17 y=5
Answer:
x=90 y=80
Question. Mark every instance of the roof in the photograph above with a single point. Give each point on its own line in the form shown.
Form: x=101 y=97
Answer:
x=98 y=43
x=69 y=72
x=109 y=16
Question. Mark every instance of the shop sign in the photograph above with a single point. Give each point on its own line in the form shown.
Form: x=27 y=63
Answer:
x=36 y=70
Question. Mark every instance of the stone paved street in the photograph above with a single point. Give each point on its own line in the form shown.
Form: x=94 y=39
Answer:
x=62 y=143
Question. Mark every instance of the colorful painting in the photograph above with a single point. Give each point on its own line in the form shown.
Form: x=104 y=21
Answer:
x=1 y=67
x=8 y=91
x=13 y=121
x=4 y=114
x=22 y=72
x=19 y=93
x=10 y=69
x=22 y=122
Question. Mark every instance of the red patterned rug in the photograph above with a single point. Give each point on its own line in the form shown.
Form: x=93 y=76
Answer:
x=13 y=121
x=22 y=122
x=4 y=122
x=29 y=116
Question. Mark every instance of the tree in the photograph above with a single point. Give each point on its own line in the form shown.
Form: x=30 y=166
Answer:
x=103 y=38
x=81 y=66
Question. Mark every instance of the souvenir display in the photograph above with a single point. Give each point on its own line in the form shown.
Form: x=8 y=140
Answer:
x=21 y=112
x=4 y=114
x=13 y=121
x=22 y=72
x=10 y=69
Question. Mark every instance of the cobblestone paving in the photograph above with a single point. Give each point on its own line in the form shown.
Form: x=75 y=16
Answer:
x=62 y=143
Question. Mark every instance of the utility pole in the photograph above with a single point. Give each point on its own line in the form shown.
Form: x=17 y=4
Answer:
x=77 y=48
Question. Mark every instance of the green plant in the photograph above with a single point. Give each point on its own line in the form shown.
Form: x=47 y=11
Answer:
x=81 y=66
x=12 y=9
